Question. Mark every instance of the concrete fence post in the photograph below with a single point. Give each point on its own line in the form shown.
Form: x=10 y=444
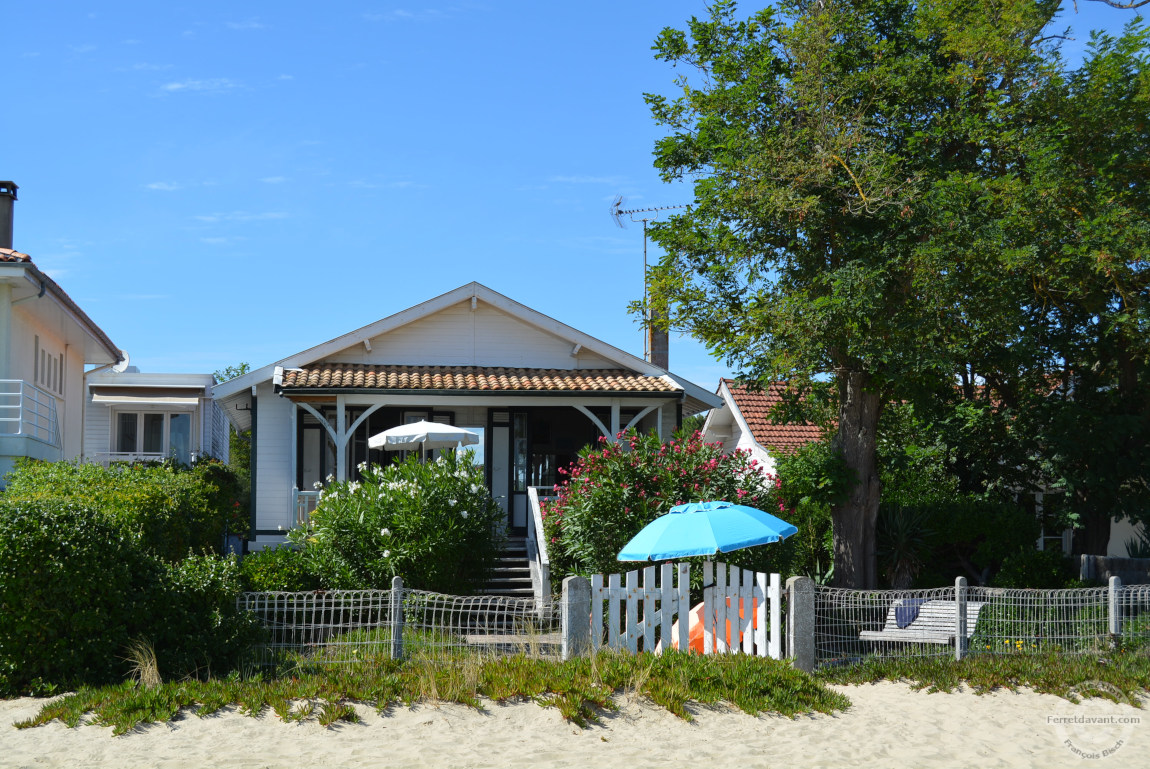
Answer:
x=801 y=623
x=959 y=617
x=575 y=617
x=1114 y=609
x=396 y=609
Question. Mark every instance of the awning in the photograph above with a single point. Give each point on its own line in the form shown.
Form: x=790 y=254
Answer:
x=186 y=401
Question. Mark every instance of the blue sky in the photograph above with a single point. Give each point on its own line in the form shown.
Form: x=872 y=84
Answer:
x=216 y=183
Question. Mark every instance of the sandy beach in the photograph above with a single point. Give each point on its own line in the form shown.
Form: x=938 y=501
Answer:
x=889 y=725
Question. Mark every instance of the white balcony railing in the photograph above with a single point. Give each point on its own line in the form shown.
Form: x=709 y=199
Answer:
x=106 y=458
x=27 y=411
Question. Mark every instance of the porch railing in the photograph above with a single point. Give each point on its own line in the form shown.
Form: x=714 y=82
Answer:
x=28 y=411
x=537 y=546
x=302 y=505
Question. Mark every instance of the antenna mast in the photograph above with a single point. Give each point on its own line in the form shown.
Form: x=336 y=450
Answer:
x=645 y=215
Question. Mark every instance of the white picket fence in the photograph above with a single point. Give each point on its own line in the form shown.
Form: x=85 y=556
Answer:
x=641 y=616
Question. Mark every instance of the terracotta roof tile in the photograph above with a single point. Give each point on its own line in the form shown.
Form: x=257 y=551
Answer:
x=8 y=255
x=368 y=377
x=756 y=408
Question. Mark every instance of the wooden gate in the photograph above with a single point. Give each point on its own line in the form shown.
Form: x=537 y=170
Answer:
x=737 y=606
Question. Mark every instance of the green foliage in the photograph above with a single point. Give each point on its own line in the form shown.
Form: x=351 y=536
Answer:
x=1038 y=569
x=194 y=623
x=906 y=195
x=1046 y=672
x=278 y=568
x=78 y=587
x=581 y=689
x=433 y=524
x=73 y=588
x=171 y=509
x=811 y=481
x=615 y=489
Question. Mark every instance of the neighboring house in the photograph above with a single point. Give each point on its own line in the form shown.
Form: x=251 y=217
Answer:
x=129 y=416
x=535 y=389
x=743 y=422
x=46 y=340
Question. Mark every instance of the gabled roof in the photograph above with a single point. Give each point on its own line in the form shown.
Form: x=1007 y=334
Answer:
x=754 y=408
x=98 y=348
x=697 y=397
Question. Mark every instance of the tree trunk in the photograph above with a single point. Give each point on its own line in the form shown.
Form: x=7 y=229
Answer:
x=854 y=520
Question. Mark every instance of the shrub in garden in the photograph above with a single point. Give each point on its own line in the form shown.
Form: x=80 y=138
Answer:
x=73 y=591
x=193 y=622
x=616 y=488
x=171 y=508
x=77 y=588
x=431 y=523
x=278 y=568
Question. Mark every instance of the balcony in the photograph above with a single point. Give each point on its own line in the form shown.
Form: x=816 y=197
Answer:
x=28 y=423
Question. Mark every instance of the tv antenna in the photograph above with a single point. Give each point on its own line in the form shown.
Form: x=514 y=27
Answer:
x=644 y=215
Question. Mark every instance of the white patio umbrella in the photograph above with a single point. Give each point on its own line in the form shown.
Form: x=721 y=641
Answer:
x=423 y=435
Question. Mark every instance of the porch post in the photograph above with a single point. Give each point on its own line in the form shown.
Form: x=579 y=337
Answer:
x=614 y=421
x=341 y=438
x=294 y=447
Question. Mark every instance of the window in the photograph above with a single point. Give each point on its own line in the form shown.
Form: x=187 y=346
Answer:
x=159 y=434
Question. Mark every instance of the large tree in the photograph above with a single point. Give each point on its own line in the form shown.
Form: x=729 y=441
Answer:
x=858 y=168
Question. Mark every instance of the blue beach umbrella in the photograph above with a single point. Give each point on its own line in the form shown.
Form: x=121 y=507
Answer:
x=704 y=528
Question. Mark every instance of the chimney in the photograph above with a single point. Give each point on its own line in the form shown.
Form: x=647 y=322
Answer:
x=7 y=201
x=658 y=343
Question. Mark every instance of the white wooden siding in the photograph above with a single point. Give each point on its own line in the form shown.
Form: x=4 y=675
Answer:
x=97 y=428
x=457 y=336
x=273 y=461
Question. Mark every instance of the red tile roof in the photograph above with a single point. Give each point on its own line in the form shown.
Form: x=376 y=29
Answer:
x=8 y=255
x=755 y=408
x=368 y=377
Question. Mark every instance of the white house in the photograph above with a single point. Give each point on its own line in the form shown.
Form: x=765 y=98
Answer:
x=536 y=389
x=130 y=416
x=46 y=340
x=743 y=422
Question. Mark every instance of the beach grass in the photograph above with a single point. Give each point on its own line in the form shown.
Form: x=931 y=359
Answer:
x=581 y=689
x=1046 y=672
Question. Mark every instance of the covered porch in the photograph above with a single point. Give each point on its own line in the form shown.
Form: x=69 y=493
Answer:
x=532 y=425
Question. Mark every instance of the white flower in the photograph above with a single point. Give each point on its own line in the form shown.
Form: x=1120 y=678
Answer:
x=464 y=514
x=317 y=485
x=385 y=532
x=330 y=478
x=362 y=466
x=386 y=553
x=475 y=487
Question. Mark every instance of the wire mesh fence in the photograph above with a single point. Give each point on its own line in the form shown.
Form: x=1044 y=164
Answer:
x=1134 y=613
x=851 y=625
x=324 y=628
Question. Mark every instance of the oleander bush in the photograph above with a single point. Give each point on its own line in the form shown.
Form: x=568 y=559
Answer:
x=616 y=488
x=431 y=523
x=172 y=509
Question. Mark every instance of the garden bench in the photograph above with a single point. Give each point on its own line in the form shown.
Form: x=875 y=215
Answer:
x=932 y=624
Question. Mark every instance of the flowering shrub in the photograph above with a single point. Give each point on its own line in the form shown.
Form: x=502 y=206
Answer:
x=617 y=488
x=433 y=524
